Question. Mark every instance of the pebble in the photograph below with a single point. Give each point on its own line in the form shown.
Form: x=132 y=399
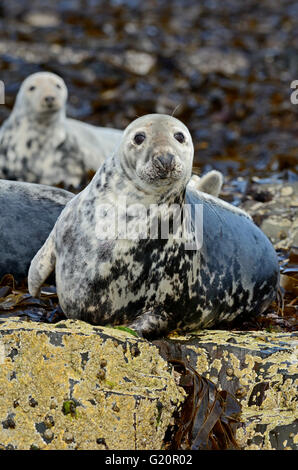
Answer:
x=208 y=60
x=286 y=191
x=139 y=63
x=40 y=19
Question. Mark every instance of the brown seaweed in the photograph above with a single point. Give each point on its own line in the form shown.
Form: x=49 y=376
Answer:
x=16 y=301
x=209 y=417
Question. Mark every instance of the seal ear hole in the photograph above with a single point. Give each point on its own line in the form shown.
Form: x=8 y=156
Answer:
x=139 y=138
x=58 y=86
x=32 y=88
x=180 y=137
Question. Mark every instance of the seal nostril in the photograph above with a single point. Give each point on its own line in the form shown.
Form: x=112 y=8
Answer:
x=49 y=99
x=166 y=160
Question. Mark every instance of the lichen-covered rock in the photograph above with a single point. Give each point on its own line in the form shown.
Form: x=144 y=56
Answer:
x=259 y=368
x=75 y=386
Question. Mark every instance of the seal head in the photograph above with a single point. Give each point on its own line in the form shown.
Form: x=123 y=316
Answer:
x=157 y=152
x=41 y=95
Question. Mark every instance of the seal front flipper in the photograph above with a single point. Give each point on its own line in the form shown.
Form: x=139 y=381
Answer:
x=211 y=183
x=42 y=265
x=153 y=323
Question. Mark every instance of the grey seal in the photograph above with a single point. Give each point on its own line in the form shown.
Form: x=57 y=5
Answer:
x=28 y=213
x=40 y=144
x=155 y=284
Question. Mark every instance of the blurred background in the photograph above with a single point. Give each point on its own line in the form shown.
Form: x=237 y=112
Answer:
x=223 y=67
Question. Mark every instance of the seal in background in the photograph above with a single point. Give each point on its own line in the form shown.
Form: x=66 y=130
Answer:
x=39 y=144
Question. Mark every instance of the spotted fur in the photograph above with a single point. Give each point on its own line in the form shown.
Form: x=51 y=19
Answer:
x=155 y=285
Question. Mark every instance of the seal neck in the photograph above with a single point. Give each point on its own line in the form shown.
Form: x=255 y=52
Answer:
x=119 y=183
x=39 y=120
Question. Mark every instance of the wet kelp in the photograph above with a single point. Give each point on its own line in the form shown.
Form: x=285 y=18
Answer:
x=15 y=300
x=209 y=417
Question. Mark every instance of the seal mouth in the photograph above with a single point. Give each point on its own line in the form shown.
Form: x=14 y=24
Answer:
x=161 y=170
x=50 y=108
x=165 y=175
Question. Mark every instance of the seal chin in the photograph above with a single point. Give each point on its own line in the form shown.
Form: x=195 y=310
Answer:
x=49 y=109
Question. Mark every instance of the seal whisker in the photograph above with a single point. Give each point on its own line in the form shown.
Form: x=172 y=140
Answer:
x=175 y=109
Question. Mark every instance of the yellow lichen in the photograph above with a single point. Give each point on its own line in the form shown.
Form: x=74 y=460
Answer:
x=58 y=364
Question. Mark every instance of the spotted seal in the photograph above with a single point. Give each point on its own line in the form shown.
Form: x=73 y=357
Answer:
x=155 y=284
x=28 y=213
x=39 y=144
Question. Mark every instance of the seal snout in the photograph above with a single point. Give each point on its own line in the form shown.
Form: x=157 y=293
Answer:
x=49 y=101
x=165 y=161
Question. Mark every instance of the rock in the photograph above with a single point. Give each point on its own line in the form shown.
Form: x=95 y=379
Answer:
x=274 y=208
x=269 y=430
x=39 y=52
x=276 y=227
x=101 y=388
x=55 y=367
x=286 y=191
x=140 y=63
x=40 y=19
x=259 y=368
x=209 y=60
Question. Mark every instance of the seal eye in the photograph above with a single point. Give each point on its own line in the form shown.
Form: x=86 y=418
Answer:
x=139 y=138
x=58 y=86
x=32 y=88
x=180 y=137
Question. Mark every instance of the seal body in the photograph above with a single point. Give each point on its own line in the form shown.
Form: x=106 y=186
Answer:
x=28 y=213
x=39 y=144
x=155 y=284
